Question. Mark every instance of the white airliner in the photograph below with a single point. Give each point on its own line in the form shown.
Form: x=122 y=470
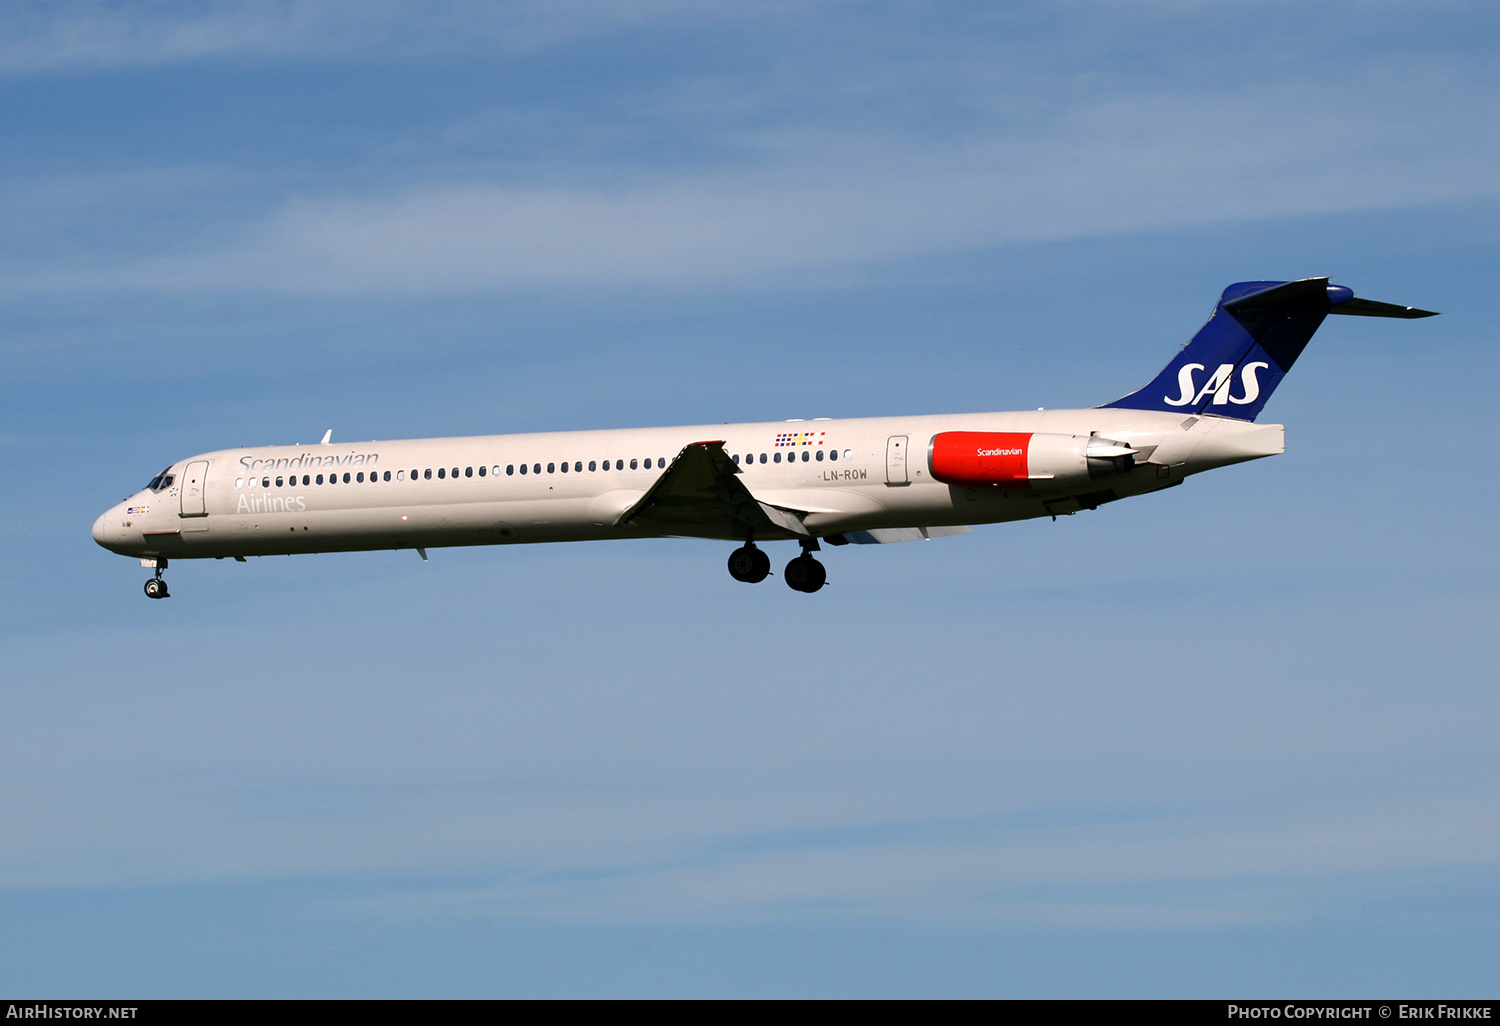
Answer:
x=869 y=480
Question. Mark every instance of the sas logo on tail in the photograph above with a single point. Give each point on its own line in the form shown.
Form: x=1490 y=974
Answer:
x=1218 y=385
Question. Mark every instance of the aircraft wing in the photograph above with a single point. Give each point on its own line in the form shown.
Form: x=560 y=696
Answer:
x=703 y=487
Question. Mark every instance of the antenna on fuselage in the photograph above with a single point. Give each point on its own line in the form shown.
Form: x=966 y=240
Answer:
x=327 y=437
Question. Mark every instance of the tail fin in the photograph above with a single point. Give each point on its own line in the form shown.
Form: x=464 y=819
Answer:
x=1237 y=359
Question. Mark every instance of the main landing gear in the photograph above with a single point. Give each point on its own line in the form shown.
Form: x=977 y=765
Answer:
x=805 y=573
x=750 y=565
x=156 y=587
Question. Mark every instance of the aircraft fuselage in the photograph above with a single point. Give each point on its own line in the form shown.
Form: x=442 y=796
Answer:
x=845 y=475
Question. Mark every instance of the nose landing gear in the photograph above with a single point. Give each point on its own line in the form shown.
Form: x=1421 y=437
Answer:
x=156 y=587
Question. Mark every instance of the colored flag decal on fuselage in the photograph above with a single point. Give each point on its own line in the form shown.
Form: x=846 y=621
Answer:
x=792 y=438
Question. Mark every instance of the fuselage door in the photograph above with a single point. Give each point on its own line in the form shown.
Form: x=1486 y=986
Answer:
x=895 y=460
x=193 y=477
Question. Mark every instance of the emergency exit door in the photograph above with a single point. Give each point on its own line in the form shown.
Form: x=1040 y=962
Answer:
x=895 y=460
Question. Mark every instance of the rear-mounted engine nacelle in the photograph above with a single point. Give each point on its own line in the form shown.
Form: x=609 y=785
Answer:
x=1014 y=459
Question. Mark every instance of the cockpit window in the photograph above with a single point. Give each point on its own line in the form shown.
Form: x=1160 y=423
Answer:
x=160 y=481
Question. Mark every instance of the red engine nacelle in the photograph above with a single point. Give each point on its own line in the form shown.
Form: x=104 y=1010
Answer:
x=1017 y=459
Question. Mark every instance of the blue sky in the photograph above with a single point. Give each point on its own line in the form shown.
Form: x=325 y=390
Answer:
x=1235 y=739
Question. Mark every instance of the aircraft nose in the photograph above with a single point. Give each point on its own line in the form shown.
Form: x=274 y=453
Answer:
x=101 y=528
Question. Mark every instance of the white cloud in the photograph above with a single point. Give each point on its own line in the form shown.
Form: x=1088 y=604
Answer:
x=835 y=202
x=91 y=35
x=616 y=858
x=796 y=162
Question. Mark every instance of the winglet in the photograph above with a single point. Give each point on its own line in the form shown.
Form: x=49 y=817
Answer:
x=327 y=437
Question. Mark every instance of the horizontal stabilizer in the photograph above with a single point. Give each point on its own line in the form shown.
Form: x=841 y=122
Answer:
x=1370 y=308
x=1265 y=294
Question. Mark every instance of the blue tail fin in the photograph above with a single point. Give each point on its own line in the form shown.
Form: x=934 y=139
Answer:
x=1237 y=359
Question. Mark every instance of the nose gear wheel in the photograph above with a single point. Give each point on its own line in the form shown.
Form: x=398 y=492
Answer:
x=156 y=587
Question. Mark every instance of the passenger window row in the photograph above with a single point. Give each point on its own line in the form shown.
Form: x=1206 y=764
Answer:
x=444 y=473
x=308 y=479
x=577 y=467
x=807 y=456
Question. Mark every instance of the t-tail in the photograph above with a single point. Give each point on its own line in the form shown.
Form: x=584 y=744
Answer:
x=1258 y=330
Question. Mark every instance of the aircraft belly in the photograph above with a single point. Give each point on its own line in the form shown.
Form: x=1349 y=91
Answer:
x=433 y=526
